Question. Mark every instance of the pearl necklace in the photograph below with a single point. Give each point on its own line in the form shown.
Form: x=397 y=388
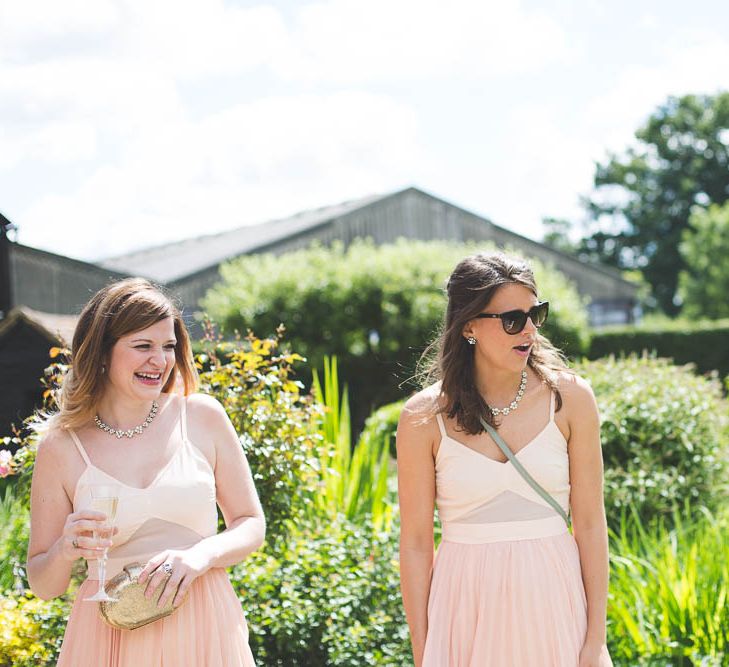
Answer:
x=515 y=403
x=130 y=433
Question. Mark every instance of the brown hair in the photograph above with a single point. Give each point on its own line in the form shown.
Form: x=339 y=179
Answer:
x=469 y=289
x=118 y=309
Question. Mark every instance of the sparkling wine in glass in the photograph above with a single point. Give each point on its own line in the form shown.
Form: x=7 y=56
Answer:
x=104 y=498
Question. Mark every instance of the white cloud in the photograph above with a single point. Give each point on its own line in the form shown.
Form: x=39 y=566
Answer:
x=694 y=63
x=245 y=164
x=381 y=40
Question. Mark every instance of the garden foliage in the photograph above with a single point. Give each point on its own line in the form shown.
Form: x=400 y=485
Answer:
x=278 y=424
x=704 y=343
x=669 y=586
x=324 y=589
x=329 y=596
x=664 y=435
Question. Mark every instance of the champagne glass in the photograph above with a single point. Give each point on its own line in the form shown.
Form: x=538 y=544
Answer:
x=104 y=498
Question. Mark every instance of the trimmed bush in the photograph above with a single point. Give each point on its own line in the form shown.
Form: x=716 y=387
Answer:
x=664 y=435
x=374 y=307
x=703 y=343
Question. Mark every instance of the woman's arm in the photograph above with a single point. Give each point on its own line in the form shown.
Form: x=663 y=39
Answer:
x=236 y=496
x=53 y=525
x=416 y=490
x=588 y=510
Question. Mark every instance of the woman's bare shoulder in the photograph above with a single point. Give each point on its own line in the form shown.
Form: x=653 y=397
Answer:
x=423 y=402
x=572 y=386
x=420 y=409
x=203 y=404
x=54 y=446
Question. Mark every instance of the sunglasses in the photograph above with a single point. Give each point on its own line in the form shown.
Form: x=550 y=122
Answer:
x=514 y=321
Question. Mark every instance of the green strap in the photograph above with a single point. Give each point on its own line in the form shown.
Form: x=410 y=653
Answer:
x=523 y=472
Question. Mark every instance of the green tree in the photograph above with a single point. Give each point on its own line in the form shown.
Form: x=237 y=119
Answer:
x=644 y=197
x=704 y=285
x=557 y=234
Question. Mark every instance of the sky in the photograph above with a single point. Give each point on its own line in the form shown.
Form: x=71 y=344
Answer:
x=127 y=124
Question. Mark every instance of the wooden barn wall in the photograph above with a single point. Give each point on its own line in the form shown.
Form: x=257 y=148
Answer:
x=51 y=283
x=415 y=215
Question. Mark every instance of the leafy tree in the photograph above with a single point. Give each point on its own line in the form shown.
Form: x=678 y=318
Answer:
x=644 y=198
x=704 y=285
x=557 y=234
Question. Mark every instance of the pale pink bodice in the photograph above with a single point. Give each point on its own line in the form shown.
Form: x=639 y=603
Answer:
x=175 y=511
x=481 y=500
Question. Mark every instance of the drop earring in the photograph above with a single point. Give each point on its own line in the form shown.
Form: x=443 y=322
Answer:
x=471 y=340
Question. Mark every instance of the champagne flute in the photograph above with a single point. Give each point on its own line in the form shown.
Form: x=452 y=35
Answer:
x=104 y=498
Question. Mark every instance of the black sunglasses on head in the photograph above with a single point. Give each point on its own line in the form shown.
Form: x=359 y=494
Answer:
x=514 y=321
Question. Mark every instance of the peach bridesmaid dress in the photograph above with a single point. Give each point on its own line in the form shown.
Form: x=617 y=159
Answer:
x=506 y=587
x=175 y=511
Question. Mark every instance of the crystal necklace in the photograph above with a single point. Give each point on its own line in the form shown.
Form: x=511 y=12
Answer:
x=515 y=403
x=130 y=433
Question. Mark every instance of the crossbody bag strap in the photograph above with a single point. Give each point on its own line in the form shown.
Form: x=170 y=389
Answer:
x=523 y=471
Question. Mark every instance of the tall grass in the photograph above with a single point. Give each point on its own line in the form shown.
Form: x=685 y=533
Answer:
x=354 y=479
x=668 y=591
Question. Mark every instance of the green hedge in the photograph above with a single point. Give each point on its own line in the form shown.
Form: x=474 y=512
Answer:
x=374 y=307
x=664 y=435
x=704 y=343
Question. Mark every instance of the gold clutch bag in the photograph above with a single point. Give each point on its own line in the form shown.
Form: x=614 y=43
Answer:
x=132 y=609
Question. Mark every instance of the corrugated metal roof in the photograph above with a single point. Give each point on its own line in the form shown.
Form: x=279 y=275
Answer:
x=172 y=261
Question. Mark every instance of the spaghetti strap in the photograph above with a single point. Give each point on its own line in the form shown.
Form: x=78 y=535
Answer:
x=80 y=447
x=441 y=425
x=551 y=406
x=183 y=418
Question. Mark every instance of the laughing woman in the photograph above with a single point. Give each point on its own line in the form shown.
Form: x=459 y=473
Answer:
x=171 y=458
x=510 y=585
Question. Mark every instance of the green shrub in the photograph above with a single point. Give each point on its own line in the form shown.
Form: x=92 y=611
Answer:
x=14 y=533
x=703 y=343
x=329 y=596
x=664 y=435
x=31 y=630
x=669 y=591
x=277 y=424
x=374 y=307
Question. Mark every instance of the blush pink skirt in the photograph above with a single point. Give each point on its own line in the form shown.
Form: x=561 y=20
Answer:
x=207 y=629
x=517 y=603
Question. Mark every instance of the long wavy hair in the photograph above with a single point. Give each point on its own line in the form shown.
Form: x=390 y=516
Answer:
x=118 y=309
x=470 y=289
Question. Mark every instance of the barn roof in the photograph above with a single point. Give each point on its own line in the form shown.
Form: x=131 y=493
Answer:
x=172 y=261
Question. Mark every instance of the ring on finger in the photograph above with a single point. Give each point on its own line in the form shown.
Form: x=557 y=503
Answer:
x=167 y=569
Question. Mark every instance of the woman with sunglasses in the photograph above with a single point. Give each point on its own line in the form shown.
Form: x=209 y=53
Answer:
x=509 y=585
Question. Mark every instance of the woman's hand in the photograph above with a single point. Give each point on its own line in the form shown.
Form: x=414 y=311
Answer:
x=173 y=570
x=77 y=539
x=595 y=655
